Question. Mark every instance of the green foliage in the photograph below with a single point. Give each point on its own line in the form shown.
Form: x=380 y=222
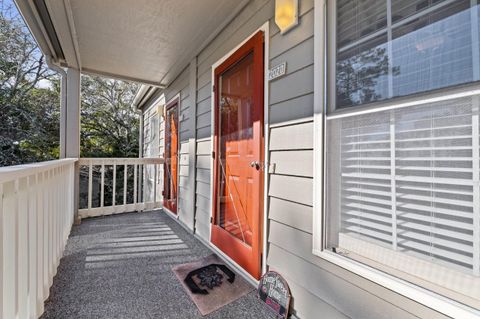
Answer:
x=109 y=124
x=30 y=104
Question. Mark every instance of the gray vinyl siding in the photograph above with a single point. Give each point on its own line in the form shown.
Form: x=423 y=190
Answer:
x=203 y=206
x=186 y=174
x=318 y=288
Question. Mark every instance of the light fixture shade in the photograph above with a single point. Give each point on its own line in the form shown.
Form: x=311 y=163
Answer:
x=286 y=14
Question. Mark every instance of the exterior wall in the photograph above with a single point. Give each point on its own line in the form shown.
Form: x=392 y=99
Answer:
x=317 y=286
x=152 y=147
x=180 y=88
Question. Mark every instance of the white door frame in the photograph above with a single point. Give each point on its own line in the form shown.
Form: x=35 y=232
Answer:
x=265 y=29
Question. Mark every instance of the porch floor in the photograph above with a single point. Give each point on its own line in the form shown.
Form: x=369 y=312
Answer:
x=120 y=267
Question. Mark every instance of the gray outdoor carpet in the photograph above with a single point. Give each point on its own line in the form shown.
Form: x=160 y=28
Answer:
x=120 y=266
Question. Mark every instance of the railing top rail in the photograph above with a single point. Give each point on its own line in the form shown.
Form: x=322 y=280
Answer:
x=120 y=161
x=11 y=173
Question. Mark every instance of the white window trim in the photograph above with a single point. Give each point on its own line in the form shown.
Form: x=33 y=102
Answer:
x=427 y=298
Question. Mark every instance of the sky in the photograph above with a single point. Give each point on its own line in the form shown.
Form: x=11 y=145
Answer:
x=8 y=5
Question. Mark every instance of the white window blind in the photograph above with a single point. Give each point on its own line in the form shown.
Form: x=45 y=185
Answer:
x=403 y=193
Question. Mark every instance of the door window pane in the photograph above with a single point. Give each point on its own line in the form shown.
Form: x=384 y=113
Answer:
x=171 y=158
x=234 y=212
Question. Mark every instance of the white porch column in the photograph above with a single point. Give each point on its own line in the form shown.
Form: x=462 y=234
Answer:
x=140 y=155
x=70 y=127
x=72 y=116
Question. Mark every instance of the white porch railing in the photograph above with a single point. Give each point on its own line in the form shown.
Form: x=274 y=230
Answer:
x=137 y=203
x=36 y=215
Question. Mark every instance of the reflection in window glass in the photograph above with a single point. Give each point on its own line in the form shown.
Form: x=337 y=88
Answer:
x=426 y=45
x=236 y=121
x=433 y=51
x=362 y=73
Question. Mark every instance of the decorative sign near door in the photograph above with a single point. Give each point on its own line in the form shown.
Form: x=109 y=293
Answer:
x=274 y=291
x=277 y=71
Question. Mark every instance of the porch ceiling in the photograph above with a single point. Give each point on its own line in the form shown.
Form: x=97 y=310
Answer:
x=149 y=41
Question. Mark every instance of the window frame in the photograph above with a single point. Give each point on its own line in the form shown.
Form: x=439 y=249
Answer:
x=330 y=47
x=322 y=78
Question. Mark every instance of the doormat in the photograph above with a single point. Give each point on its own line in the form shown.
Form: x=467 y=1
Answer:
x=210 y=283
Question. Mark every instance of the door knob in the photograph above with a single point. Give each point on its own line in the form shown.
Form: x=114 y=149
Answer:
x=255 y=164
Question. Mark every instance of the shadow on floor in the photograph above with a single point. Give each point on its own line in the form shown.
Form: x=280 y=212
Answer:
x=120 y=267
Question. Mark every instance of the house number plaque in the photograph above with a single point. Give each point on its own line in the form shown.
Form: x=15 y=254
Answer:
x=274 y=291
x=277 y=71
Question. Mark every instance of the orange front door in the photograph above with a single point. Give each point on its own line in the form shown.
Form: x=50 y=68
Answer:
x=171 y=157
x=238 y=165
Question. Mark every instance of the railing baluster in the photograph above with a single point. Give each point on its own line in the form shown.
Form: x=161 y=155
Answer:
x=56 y=217
x=155 y=185
x=135 y=185
x=10 y=245
x=102 y=186
x=50 y=229
x=125 y=185
x=2 y=280
x=32 y=246
x=90 y=177
x=21 y=187
x=40 y=245
x=53 y=238
x=114 y=190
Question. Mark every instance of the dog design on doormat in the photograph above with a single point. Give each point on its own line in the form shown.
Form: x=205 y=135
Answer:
x=209 y=276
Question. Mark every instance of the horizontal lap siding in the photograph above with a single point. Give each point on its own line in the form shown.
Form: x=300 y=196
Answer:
x=202 y=203
x=317 y=286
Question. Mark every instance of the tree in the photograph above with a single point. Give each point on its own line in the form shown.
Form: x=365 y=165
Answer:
x=109 y=129
x=359 y=77
x=29 y=103
x=109 y=124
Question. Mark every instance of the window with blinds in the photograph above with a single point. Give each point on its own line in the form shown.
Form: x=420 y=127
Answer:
x=403 y=183
x=403 y=193
x=393 y=48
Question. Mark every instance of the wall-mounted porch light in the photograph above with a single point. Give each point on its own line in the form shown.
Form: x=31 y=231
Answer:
x=286 y=14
